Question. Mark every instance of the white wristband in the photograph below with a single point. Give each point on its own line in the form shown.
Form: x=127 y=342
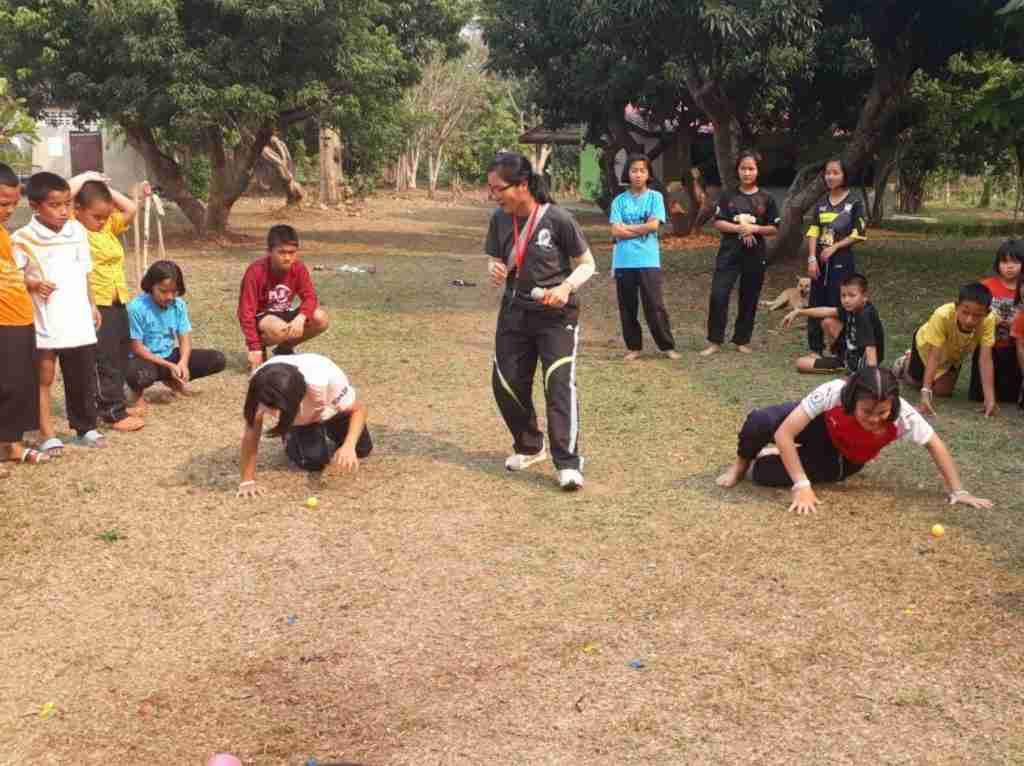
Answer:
x=956 y=494
x=802 y=484
x=926 y=390
x=246 y=483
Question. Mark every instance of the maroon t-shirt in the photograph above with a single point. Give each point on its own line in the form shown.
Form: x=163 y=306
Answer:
x=263 y=290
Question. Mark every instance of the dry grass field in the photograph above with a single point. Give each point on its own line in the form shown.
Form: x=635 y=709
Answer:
x=435 y=610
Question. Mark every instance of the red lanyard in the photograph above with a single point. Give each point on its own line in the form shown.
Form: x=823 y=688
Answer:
x=520 y=252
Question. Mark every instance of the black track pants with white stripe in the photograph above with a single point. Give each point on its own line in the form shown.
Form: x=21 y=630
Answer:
x=523 y=337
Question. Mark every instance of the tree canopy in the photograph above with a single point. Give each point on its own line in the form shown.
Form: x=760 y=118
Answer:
x=218 y=77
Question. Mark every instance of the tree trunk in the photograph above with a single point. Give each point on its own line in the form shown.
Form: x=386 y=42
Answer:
x=435 y=161
x=986 y=192
x=278 y=156
x=888 y=91
x=168 y=175
x=330 y=166
x=719 y=108
x=544 y=154
x=911 y=191
x=886 y=165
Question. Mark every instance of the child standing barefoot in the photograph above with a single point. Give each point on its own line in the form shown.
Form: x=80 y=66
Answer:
x=636 y=260
x=837 y=225
x=1006 y=304
x=106 y=213
x=744 y=217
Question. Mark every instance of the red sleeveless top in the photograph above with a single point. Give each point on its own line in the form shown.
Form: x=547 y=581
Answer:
x=854 y=442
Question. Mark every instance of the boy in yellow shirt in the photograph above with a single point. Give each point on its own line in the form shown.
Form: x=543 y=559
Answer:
x=942 y=343
x=106 y=214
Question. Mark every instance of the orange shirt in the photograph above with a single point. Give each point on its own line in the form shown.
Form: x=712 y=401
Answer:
x=15 y=304
x=1017 y=331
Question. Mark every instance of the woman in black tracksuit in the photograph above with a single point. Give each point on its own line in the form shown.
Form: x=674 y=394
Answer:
x=538 y=253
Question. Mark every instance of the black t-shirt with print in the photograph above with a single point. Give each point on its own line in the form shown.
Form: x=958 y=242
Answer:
x=834 y=223
x=557 y=239
x=860 y=330
x=734 y=204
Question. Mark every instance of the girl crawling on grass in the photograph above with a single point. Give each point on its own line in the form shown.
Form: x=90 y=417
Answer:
x=832 y=434
x=317 y=414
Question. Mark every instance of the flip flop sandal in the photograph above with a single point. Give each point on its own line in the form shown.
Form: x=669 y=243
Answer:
x=52 y=447
x=31 y=456
x=92 y=439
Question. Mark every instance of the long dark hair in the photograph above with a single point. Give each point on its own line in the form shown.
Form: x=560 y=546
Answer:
x=876 y=383
x=1011 y=250
x=279 y=386
x=514 y=168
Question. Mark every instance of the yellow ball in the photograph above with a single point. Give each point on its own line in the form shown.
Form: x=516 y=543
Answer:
x=312 y=502
x=938 y=530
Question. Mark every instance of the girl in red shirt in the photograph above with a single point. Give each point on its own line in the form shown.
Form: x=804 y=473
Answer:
x=831 y=434
x=1006 y=304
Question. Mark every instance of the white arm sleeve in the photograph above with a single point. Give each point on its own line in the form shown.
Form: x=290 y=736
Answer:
x=582 y=273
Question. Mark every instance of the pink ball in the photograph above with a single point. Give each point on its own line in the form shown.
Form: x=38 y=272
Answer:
x=223 y=759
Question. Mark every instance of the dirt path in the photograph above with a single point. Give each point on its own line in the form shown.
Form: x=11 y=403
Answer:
x=436 y=610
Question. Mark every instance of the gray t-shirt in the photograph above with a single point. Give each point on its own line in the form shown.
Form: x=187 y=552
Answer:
x=556 y=239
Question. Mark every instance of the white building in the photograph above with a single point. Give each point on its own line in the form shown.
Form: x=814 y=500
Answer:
x=67 y=147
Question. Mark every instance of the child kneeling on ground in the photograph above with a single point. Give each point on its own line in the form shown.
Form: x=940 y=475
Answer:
x=319 y=417
x=861 y=341
x=832 y=434
x=161 y=335
x=942 y=343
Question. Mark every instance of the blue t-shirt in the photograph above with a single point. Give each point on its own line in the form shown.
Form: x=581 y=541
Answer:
x=157 y=328
x=638 y=252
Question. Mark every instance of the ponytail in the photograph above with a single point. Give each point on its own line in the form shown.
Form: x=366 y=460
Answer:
x=515 y=168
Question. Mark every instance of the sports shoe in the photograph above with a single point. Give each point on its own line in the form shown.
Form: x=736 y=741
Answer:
x=570 y=479
x=518 y=462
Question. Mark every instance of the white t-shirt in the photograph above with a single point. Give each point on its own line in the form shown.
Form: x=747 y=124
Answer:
x=65 y=320
x=909 y=425
x=328 y=391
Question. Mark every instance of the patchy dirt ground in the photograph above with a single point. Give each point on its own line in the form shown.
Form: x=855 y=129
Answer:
x=436 y=610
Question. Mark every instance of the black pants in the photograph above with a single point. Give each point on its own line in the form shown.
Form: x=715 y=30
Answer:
x=202 y=362
x=112 y=357
x=749 y=269
x=1007 y=376
x=78 y=368
x=647 y=283
x=312 y=447
x=523 y=336
x=825 y=292
x=19 y=382
x=821 y=461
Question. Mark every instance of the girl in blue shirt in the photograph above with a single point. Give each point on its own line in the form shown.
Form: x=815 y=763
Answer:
x=161 y=336
x=636 y=260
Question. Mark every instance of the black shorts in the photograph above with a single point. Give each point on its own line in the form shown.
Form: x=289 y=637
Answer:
x=285 y=316
x=916 y=367
x=828 y=363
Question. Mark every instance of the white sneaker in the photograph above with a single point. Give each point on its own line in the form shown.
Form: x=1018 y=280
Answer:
x=570 y=479
x=519 y=462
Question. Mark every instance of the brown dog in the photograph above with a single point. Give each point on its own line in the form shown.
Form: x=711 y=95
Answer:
x=792 y=298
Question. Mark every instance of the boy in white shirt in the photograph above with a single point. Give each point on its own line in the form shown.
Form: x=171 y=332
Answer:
x=65 y=313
